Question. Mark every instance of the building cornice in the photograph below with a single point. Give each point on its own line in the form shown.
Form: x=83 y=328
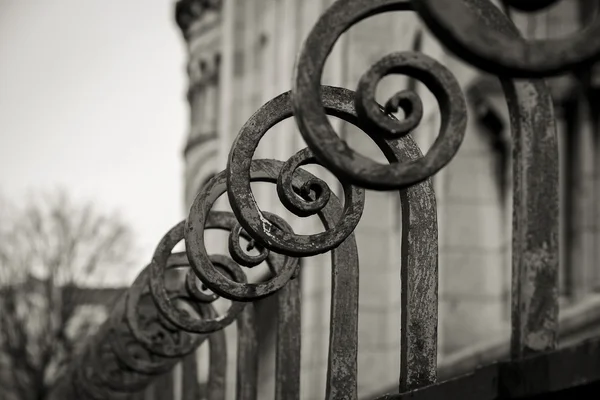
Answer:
x=188 y=11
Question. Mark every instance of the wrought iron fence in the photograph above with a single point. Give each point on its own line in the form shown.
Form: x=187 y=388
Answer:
x=154 y=326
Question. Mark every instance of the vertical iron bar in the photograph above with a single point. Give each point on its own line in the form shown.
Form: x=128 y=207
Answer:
x=287 y=361
x=164 y=386
x=190 y=388
x=217 y=373
x=247 y=357
x=535 y=218
x=419 y=286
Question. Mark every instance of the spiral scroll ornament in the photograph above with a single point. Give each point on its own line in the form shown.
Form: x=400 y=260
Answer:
x=334 y=153
x=138 y=342
x=159 y=321
x=179 y=317
x=151 y=329
x=293 y=193
x=482 y=35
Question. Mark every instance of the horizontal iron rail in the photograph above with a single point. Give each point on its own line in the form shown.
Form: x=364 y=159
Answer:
x=577 y=323
x=540 y=375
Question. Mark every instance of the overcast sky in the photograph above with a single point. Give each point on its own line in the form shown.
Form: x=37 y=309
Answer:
x=92 y=99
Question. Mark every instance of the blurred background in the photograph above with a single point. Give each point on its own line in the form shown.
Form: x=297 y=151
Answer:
x=114 y=114
x=92 y=123
x=92 y=101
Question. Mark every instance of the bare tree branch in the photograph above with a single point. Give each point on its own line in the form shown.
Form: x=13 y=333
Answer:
x=49 y=250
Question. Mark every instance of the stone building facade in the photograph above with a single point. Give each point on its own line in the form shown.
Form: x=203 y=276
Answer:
x=242 y=53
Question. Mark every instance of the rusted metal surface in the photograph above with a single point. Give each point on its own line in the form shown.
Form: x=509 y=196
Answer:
x=418 y=270
x=287 y=361
x=139 y=342
x=535 y=218
x=243 y=202
x=164 y=318
x=189 y=380
x=464 y=27
x=481 y=384
x=342 y=369
x=318 y=133
x=535 y=205
x=551 y=375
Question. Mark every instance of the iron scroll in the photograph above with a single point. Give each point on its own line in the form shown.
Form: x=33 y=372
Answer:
x=153 y=327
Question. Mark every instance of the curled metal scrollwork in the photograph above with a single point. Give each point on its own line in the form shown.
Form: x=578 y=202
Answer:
x=309 y=100
x=159 y=321
x=181 y=318
x=341 y=382
x=138 y=342
x=482 y=35
x=239 y=175
x=150 y=329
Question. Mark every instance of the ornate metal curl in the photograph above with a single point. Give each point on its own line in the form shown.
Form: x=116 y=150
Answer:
x=137 y=343
x=535 y=260
x=156 y=335
x=341 y=382
x=419 y=261
x=115 y=364
x=101 y=374
x=139 y=335
x=334 y=153
x=148 y=333
x=294 y=198
x=480 y=33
